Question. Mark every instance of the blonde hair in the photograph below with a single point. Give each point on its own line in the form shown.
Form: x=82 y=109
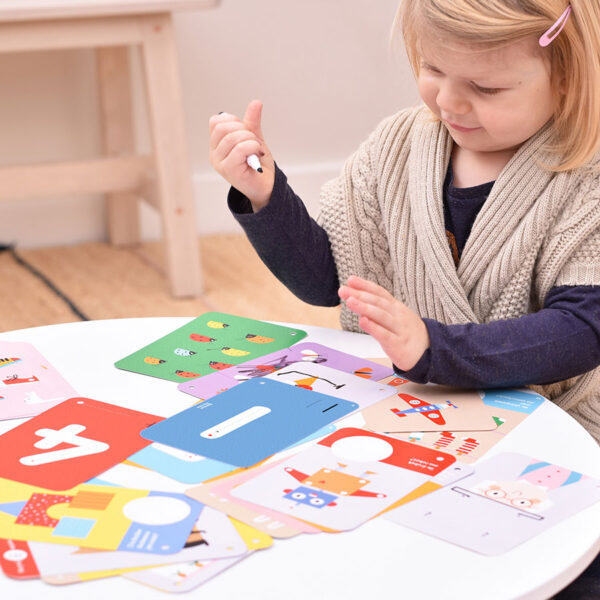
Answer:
x=574 y=56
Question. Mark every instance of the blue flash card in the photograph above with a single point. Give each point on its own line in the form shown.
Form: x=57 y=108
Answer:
x=192 y=468
x=249 y=422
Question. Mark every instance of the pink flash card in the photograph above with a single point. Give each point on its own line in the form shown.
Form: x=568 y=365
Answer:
x=218 y=495
x=347 y=478
x=29 y=384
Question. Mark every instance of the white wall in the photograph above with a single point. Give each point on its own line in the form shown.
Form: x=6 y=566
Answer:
x=323 y=68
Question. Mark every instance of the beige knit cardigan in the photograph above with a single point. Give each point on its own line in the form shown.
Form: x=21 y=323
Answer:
x=538 y=229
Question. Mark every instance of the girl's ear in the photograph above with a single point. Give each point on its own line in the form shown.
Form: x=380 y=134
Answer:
x=562 y=86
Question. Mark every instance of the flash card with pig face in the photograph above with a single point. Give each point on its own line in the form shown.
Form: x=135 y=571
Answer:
x=509 y=499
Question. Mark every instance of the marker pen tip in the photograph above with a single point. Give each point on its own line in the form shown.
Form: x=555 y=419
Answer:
x=260 y=170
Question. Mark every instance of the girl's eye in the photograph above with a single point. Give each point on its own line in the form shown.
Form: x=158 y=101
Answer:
x=489 y=91
x=430 y=68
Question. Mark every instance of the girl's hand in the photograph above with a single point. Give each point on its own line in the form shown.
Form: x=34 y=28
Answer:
x=400 y=331
x=231 y=142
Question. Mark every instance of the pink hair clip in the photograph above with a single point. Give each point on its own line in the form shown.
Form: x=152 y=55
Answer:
x=547 y=39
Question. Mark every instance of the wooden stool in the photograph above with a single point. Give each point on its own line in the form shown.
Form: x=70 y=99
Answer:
x=163 y=179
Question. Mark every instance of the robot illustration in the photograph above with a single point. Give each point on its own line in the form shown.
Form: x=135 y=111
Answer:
x=325 y=486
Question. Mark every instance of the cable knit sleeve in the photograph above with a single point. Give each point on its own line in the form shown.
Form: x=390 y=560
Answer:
x=571 y=255
x=351 y=212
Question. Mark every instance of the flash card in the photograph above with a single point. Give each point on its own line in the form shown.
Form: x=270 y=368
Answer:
x=94 y=516
x=213 y=536
x=507 y=408
x=181 y=465
x=71 y=442
x=192 y=468
x=29 y=384
x=332 y=382
x=305 y=352
x=430 y=408
x=248 y=423
x=218 y=495
x=209 y=343
x=345 y=479
x=183 y=577
x=509 y=499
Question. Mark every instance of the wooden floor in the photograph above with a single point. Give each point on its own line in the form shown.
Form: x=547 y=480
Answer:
x=105 y=282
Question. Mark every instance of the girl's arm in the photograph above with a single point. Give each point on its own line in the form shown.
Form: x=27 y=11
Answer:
x=292 y=245
x=558 y=342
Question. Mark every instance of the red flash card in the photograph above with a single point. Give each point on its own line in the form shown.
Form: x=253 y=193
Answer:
x=16 y=560
x=71 y=443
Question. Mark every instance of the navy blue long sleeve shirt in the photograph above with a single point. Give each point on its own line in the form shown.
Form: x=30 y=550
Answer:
x=560 y=341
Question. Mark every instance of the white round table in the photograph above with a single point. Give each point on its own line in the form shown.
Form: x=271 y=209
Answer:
x=380 y=558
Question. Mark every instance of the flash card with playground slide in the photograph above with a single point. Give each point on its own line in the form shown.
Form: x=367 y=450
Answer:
x=509 y=499
x=209 y=343
x=349 y=477
x=305 y=352
x=332 y=382
x=95 y=516
x=71 y=443
x=29 y=384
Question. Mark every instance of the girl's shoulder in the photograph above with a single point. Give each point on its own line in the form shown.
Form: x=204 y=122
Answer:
x=396 y=131
x=406 y=118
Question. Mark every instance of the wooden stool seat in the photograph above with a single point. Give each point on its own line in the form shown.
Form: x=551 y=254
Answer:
x=161 y=179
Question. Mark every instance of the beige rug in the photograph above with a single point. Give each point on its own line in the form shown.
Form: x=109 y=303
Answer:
x=105 y=282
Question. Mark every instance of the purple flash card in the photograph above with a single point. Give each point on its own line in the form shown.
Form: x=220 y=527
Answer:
x=210 y=385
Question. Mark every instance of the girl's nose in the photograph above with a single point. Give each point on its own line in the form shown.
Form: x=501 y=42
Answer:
x=452 y=102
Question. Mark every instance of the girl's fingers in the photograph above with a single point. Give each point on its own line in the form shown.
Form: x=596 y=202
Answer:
x=374 y=313
x=242 y=151
x=346 y=292
x=359 y=283
x=221 y=130
x=381 y=334
x=231 y=140
x=220 y=118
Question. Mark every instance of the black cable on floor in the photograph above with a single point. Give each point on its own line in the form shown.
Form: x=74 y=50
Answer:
x=49 y=284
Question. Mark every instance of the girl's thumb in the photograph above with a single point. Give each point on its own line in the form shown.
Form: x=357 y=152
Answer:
x=252 y=117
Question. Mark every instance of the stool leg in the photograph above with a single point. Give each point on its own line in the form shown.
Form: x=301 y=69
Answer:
x=175 y=194
x=114 y=83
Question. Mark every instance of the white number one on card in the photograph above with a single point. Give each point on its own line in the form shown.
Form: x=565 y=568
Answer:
x=67 y=435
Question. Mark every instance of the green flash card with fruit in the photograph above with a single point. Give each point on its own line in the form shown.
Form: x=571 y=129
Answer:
x=209 y=343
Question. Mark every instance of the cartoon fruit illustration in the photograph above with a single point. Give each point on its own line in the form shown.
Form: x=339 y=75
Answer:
x=216 y=324
x=219 y=366
x=196 y=337
x=183 y=352
x=187 y=374
x=259 y=339
x=234 y=351
x=151 y=360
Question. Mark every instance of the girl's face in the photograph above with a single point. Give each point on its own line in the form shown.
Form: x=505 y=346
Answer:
x=491 y=100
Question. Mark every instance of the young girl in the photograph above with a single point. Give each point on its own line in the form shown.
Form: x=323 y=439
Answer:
x=466 y=232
